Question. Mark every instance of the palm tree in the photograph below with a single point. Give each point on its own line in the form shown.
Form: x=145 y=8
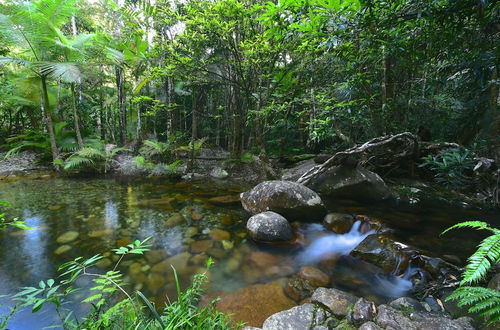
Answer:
x=32 y=29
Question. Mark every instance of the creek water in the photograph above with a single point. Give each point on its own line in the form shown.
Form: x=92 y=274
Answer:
x=82 y=217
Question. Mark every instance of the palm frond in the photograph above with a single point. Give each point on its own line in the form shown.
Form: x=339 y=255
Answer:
x=14 y=61
x=10 y=32
x=56 y=11
x=66 y=71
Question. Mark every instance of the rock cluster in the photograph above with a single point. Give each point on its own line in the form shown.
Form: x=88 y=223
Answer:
x=335 y=309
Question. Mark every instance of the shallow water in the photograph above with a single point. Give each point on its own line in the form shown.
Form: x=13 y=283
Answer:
x=180 y=219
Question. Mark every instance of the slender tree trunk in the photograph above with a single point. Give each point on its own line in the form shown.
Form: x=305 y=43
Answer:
x=50 y=126
x=102 y=114
x=122 y=114
x=238 y=124
x=75 y=117
x=495 y=112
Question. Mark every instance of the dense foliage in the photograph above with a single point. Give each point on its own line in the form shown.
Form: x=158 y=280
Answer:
x=262 y=76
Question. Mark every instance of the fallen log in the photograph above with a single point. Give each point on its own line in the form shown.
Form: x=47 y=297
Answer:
x=381 y=152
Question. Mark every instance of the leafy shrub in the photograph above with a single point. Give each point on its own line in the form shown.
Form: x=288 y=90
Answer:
x=451 y=166
x=484 y=301
x=135 y=311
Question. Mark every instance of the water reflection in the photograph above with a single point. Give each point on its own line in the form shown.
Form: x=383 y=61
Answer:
x=110 y=215
x=34 y=245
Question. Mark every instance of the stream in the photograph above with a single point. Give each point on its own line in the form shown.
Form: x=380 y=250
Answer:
x=86 y=216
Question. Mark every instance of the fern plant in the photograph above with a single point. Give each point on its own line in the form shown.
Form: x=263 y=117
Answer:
x=484 y=301
x=156 y=150
x=94 y=157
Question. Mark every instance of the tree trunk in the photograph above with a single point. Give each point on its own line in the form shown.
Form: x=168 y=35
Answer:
x=493 y=104
x=122 y=114
x=50 y=126
x=238 y=124
x=75 y=117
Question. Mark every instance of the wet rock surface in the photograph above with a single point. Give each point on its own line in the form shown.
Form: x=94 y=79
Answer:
x=306 y=316
x=290 y=199
x=363 y=311
x=349 y=182
x=294 y=173
x=339 y=223
x=269 y=227
x=338 y=302
x=381 y=250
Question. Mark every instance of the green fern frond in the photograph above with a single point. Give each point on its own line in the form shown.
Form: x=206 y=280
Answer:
x=91 y=153
x=487 y=254
x=478 y=225
x=484 y=301
x=76 y=162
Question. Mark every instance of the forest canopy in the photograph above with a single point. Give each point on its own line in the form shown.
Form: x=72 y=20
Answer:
x=275 y=77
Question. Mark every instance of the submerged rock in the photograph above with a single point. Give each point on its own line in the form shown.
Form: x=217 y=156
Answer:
x=100 y=233
x=155 y=256
x=62 y=249
x=201 y=246
x=179 y=262
x=269 y=227
x=67 y=237
x=224 y=200
x=174 y=220
x=314 y=276
x=305 y=282
x=255 y=303
x=290 y=199
x=219 y=235
x=349 y=182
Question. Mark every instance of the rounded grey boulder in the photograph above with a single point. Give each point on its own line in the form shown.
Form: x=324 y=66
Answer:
x=269 y=227
x=292 y=200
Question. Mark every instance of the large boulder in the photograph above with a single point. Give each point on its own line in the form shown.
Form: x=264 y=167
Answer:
x=292 y=200
x=269 y=227
x=350 y=182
